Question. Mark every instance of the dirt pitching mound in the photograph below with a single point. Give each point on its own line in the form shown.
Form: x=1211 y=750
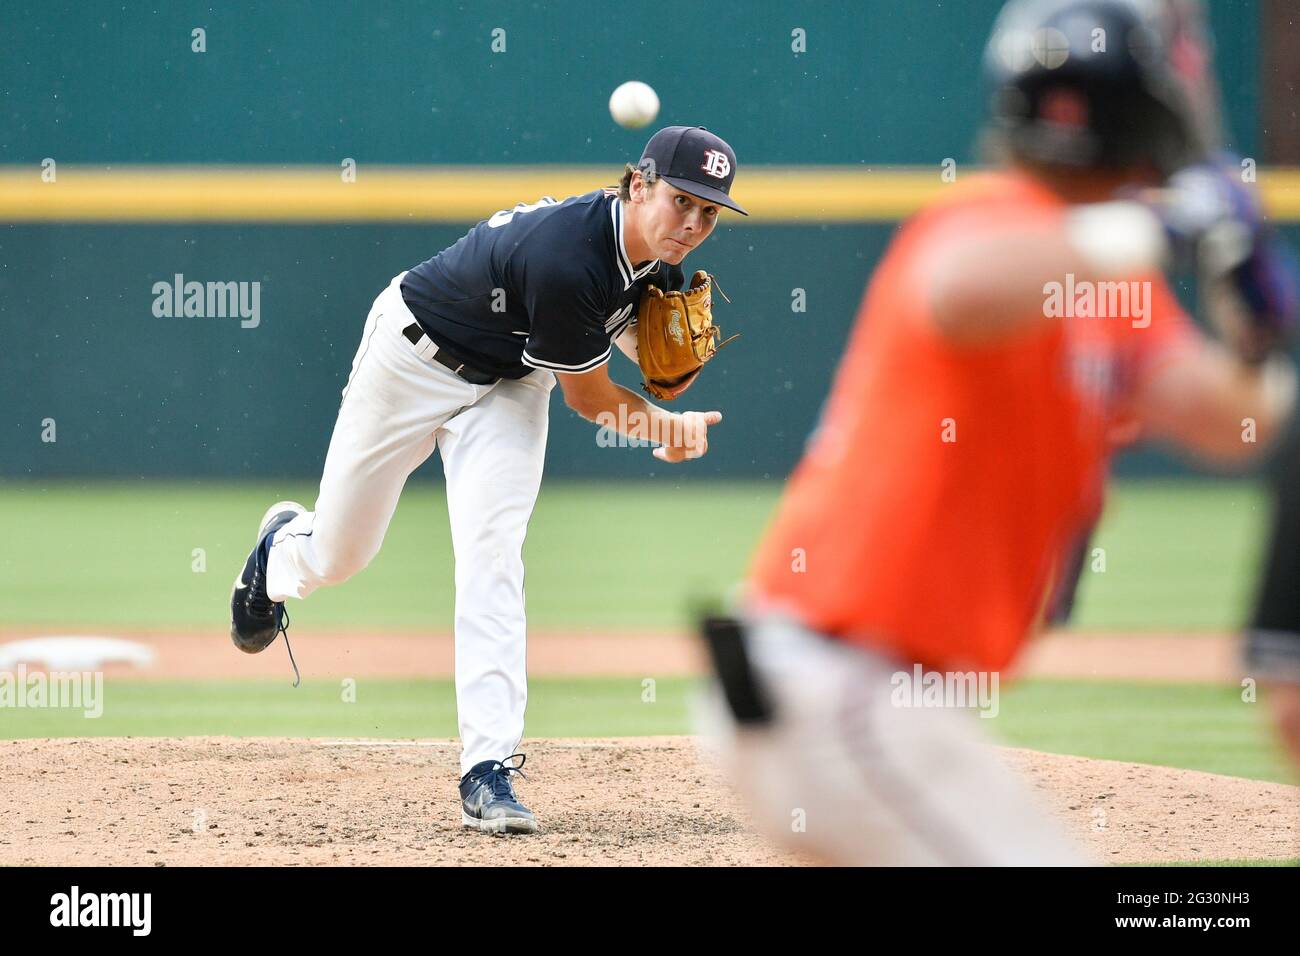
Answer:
x=1133 y=812
x=637 y=801
x=222 y=800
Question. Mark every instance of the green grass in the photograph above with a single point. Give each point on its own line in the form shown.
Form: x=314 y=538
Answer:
x=580 y=707
x=1193 y=726
x=122 y=555
x=1178 y=555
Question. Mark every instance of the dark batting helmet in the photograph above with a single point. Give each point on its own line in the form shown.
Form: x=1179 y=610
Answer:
x=1102 y=84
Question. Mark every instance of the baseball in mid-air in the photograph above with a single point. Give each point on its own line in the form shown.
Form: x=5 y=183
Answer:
x=634 y=104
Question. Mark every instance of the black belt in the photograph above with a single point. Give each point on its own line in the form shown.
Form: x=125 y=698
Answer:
x=415 y=334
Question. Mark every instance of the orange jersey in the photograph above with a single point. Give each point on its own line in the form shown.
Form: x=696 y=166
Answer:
x=945 y=481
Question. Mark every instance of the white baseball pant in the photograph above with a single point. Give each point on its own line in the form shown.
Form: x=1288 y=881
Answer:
x=843 y=776
x=397 y=406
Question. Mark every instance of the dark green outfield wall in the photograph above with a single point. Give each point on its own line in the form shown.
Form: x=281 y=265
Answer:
x=134 y=394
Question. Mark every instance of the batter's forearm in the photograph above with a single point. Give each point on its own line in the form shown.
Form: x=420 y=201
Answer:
x=1095 y=243
x=1217 y=407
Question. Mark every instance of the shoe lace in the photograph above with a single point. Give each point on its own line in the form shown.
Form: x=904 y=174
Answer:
x=260 y=603
x=284 y=632
x=497 y=777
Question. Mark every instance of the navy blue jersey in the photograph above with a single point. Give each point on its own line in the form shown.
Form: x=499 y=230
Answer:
x=544 y=285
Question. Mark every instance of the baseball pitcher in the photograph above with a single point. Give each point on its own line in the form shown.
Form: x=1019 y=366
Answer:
x=460 y=353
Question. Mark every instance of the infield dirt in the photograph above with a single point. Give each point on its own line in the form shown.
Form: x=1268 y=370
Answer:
x=207 y=655
x=635 y=801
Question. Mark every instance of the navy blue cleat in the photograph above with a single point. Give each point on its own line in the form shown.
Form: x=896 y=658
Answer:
x=256 y=620
x=488 y=801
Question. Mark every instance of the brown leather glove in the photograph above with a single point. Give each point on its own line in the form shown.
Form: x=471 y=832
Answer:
x=675 y=336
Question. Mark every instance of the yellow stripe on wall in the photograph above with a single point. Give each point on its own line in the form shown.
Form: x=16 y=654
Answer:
x=773 y=195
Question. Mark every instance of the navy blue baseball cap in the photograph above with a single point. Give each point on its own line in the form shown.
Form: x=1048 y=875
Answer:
x=695 y=161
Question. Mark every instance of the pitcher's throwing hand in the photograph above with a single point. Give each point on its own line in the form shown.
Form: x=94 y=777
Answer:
x=690 y=438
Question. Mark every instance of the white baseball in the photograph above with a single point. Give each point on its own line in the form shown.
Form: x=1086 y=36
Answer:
x=634 y=104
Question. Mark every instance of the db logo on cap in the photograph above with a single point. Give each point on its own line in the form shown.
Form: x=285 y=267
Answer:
x=716 y=164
